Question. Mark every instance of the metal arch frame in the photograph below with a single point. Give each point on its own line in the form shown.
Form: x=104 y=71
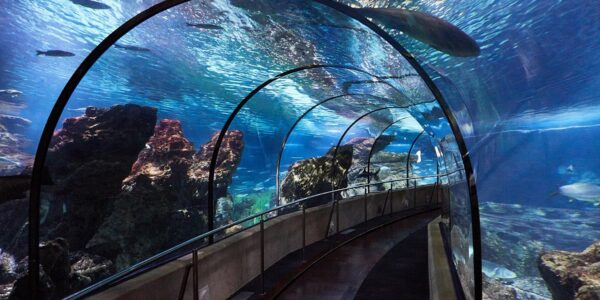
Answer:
x=372 y=149
x=471 y=179
x=334 y=157
x=408 y=164
x=102 y=47
x=54 y=117
x=335 y=150
x=291 y=129
x=238 y=108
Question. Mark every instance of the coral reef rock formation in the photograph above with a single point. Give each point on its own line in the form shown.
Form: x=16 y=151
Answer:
x=316 y=175
x=230 y=154
x=87 y=161
x=572 y=275
x=385 y=167
x=163 y=200
x=390 y=170
x=363 y=146
x=495 y=290
x=13 y=232
x=12 y=159
x=58 y=278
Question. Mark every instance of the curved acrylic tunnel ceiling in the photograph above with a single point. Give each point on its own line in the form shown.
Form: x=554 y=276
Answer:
x=525 y=106
x=235 y=77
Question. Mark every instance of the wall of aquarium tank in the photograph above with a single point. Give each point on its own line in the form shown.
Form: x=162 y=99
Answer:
x=128 y=173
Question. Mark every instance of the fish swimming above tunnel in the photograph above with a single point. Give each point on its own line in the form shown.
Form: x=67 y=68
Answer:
x=132 y=48
x=55 y=53
x=426 y=28
x=204 y=26
x=91 y=4
x=581 y=191
x=494 y=270
x=11 y=92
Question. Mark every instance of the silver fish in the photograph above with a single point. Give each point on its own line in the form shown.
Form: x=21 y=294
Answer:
x=426 y=28
x=11 y=92
x=494 y=270
x=581 y=191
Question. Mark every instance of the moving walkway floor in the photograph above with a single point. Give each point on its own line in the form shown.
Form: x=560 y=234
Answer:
x=389 y=263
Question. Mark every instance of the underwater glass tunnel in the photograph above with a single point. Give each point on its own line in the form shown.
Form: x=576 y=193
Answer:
x=132 y=132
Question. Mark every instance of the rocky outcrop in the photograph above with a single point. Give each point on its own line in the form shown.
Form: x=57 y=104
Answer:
x=317 y=175
x=164 y=199
x=312 y=176
x=385 y=166
x=13 y=160
x=13 y=232
x=91 y=266
x=87 y=160
x=229 y=158
x=572 y=275
x=61 y=272
x=495 y=290
x=363 y=146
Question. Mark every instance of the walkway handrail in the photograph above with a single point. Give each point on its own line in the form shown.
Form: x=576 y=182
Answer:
x=143 y=265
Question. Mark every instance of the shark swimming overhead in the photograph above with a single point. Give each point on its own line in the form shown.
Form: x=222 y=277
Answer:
x=132 y=48
x=91 y=4
x=426 y=28
x=581 y=191
x=204 y=26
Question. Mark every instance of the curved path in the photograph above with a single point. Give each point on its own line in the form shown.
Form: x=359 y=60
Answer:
x=389 y=263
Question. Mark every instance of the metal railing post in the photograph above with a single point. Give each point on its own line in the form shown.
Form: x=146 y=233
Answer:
x=329 y=219
x=303 y=232
x=337 y=215
x=262 y=254
x=365 y=204
x=392 y=198
x=184 y=280
x=195 y=274
x=415 y=193
x=204 y=236
x=387 y=196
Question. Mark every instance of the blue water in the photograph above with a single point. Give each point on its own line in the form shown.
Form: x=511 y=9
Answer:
x=527 y=106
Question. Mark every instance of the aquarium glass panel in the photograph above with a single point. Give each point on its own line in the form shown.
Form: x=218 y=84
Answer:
x=31 y=78
x=527 y=106
x=126 y=176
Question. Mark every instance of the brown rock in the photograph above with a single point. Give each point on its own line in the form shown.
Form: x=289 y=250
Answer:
x=572 y=275
x=87 y=160
x=163 y=201
x=317 y=175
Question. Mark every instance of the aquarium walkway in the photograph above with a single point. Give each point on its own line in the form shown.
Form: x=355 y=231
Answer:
x=384 y=258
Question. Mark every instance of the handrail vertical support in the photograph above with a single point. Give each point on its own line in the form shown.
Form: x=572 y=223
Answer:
x=337 y=215
x=415 y=194
x=392 y=198
x=184 y=280
x=303 y=232
x=195 y=274
x=365 y=204
x=387 y=196
x=262 y=255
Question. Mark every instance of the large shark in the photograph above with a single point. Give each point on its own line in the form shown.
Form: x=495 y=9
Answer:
x=581 y=191
x=426 y=28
